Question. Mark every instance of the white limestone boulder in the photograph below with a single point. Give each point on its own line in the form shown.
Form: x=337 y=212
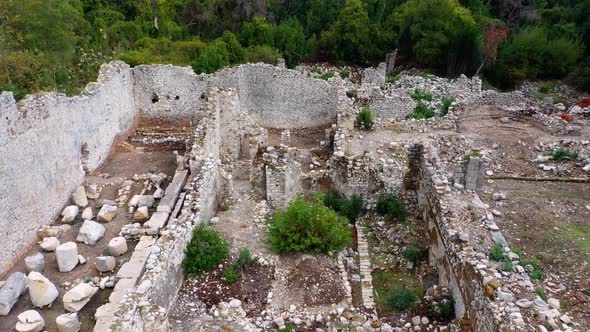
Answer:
x=30 y=321
x=42 y=291
x=79 y=197
x=35 y=262
x=76 y=298
x=68 y=322
x=67 y=256
x=142 y=214
x=105 y=263
x=90 y=232
x=69 y=214
x=87 y=213
x=142 y=200
x=49 y=243
x=117 y=246
x=92 y=191
x=107 y=213
x=13 y=288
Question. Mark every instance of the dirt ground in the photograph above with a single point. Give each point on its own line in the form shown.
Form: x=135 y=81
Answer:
x=120 y=166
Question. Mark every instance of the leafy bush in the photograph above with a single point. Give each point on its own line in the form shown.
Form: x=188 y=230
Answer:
x=400 y=299
x=308 y=226
x=442 y=311
x=206 y=250
x=508 y=267
x=213 y=57
x=497 y=252
x=541 y=292
x=262 y=53
x=327 y=76
x=344 y=74
x=351 y=207
x=389 y=205
x=563 y=155
x=418 y=95
x=231 y=275
x=446 y=103
x=414 y=254
x=364 y=119
x=422 y=112
x=538 y=273
x=392 y=79
x=245 y=259
x=472 y=154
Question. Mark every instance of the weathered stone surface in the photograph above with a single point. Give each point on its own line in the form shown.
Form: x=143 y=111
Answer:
x=70 y=213
x=107 y=213
x=117 y=246
x=92 y=191
x=142 y=214
x=11 y=291
x=30 y=321
x=42 y=291
x=87 y=214
x=79 y=197
x=49 y=243
x=35 y=262
x=156 y=222
x=105 y=263
x=76 y=298
x=90 y=232
x=67 y=256
x=68 y=323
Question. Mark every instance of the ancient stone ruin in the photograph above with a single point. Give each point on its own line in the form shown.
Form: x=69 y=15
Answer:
x=100 y=193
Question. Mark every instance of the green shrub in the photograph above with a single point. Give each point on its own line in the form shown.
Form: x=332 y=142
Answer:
x=262 y=53
x=442 y=311
x=290 y=327
x=497 y=252
x=351 y=207
x=541 y=292
x=245 y=259
x=392 y=79
x=344 y=74
x=472 y=154
x=446 y=103
x=422 y=112
x=364 y=119
x=547 y=88
x=563 y=155
x=419 y=95
x=400 y=299
x=507 y=265
x=389 y=205
x=537 y=274
x=414 y=254
x=231 y=275
x=206 y=250
x=308 y=226
x=327 y=76
x=212 y=57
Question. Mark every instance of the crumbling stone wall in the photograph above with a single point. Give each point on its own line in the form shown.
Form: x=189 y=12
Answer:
x=41 y=142
x=283 y=176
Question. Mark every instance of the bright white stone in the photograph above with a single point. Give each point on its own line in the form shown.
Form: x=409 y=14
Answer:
x=68 y=322
x=67 y=256
x=49 y=243
x=30 y=321
x=35 y=262
x=70 y=213
x=42 y=291
x=76 y=298
x=117 y=246
x=90 y=232
x=79 y=197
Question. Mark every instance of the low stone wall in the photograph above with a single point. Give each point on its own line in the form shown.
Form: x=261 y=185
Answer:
x=41 y=143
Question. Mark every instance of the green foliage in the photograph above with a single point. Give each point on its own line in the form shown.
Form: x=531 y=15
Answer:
x=563 y=155
x=245 y=259
x=306 y=226
x=213 y=57
x=389 y=205
x=206 y=250
x=392 y=79
x=262 y=53
x=419 y=95
x=364 y=119
x=538 y=273
x=446 y=103
x=507 y=265
x=290 y=327
x=351 y=207
x=472 y=154
x=541 y=292
x=442 y=311
x=349 y=38
x=421 y=111
x=326 y=76
x=414 y=254
x=497 y=252
x=400 y=299
x=344 y=74
x=231 y=275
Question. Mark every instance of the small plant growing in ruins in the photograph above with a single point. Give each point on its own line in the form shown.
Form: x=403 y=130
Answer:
x=290 y=327
x=352 y=94
x=541 y=292
x=414 y=254
x=563 y=155
x=400 y=299
x=536 y=271
x=364 y=119
x=327 y=76
x=308 y=226
x=231 y=275
x=472 y=154
x=446 y=104
x=245 y=259
x=421 y=111
x=547 y=88
x=419 y=95
x=392 y=79
x=442 y=311
x=206 y=250
x=497 y=252
x=390 y=206
x=344 y=74
x=351 y=207
x=508 y=267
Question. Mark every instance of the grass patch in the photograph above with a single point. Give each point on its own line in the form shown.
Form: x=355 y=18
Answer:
x=327 y=76
x=541 y=292
x=392 y=79
x=563 y=155
x=472 y=154
x=396 y=291
x=206 y=250
x=580 y=236
x=390 y=206
x=422 y=112
x=419 y=95
x=497 y=252
x=446 y=104
x=344 y=74
x=364 y=119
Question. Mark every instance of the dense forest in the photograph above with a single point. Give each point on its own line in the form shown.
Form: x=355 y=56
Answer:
x=59 y=44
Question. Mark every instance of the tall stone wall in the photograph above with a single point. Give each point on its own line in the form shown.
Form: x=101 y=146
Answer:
x=41 y=142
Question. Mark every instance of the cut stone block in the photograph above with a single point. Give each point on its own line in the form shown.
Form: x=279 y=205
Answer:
x=117 y=246
x=49 y=243
x=92 y=191
x=30 y=321
x=70 y=213
x=35 y=262
x=142 y=200
x=68 y=323
x=11 y=291
x=67 y=256
x=79 y=197
x=51 y=231
x=107 y=213
x=87 y=214
x=42 y=291
x=105 y=263
x=76 y=298
x=172 y=191
x=90 y=232
x=131 y=269
x=142 y=214
x=156 y=222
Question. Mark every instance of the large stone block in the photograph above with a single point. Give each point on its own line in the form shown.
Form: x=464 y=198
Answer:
x=107 y=213
x=68 y=323
x=117 y=246
x=67 y=256
x=105 y=263
x=30 y=321
x=70 y=213
x=42 y=291
x=76 y=298
x=35 y=262
x=79 y=197
x=12 y=290
x=90 y=232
